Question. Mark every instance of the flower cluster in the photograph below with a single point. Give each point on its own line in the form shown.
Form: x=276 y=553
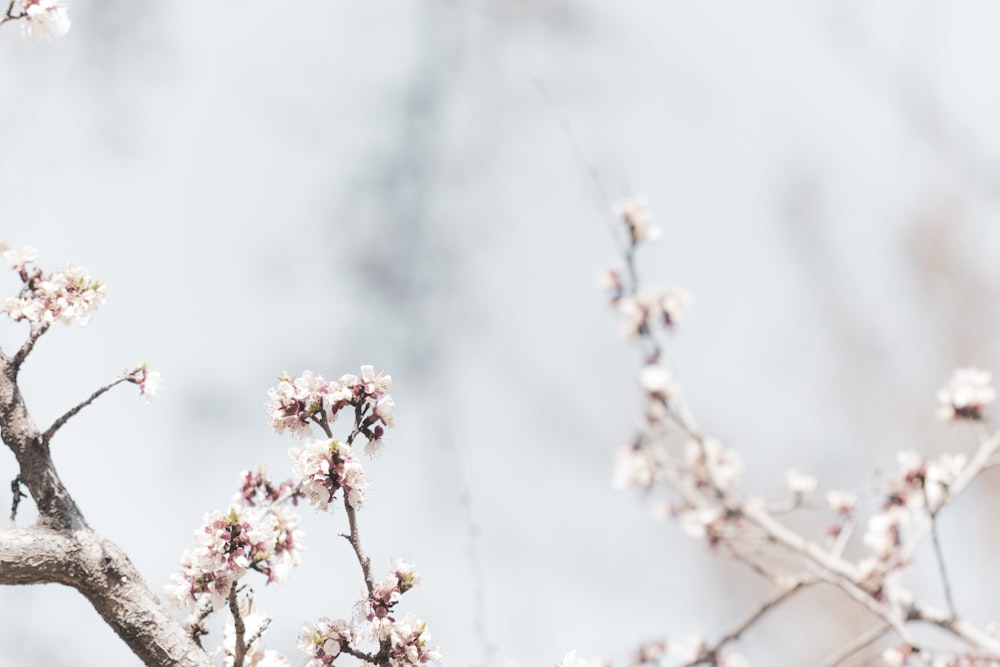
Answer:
x=44 y=19
x=712 y=465
x=296 y=403
x=647 y=307
x=258 y=488
x=68 y=296
x=919 y=485
x=386 y=593
x=409 y=643
x=324 y=641
x=228 y=546
x=324 y=466
x=968 y=391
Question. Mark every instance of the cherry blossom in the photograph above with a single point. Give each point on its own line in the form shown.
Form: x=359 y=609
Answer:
x=634 y=211
x=45 y=19
x=150 y=382
x=324 y=640
x=800 y=482
x=968 y=391
x=324 y=466
x=229 y=545
x=68 y=296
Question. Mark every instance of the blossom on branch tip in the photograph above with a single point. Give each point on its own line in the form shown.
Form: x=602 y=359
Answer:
x=968 y=391
x=150 y=382
x=44 y=19
x=800 y=482
x=842 y=502
x=297 y=403
x=635 y=213
x=68 y=296
x=19 y=258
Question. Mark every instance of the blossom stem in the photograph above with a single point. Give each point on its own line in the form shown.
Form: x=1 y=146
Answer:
x=239 y=647
x=355 y=539
x=939 y=553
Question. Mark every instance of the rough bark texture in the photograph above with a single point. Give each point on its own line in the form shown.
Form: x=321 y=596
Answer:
x=62 y=549
x=104 y=575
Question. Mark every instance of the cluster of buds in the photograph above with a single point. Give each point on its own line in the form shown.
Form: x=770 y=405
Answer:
x=230 y=545
x=297 y=403
x=259 y=489
x=67 y=296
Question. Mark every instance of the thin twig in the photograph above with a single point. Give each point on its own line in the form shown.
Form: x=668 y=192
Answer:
x=711 y=652
x=57 y=424
x=355 y=539
x=939 y=553
x=479 y=577
x=859 y=644
x=29 y=344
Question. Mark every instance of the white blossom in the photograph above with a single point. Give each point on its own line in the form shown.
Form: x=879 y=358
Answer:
x=800 y=482
x=968 y=391
x=45 y=19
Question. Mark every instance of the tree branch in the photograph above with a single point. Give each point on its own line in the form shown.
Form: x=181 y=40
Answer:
x=102 y=572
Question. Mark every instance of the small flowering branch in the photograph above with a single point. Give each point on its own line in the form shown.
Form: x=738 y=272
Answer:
x=326 y=467
x=61 y=547
x=704 y=477
x=148 y=386
x=259 y=533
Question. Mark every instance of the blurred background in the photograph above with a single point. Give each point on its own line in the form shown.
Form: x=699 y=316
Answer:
x=324 y=185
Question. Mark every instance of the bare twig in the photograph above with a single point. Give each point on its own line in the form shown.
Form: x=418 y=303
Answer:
x=29 y=343
x=57 y=424
x=710 y=652
x=18 y=494
x=859 y=644
x=939 y=553
x=355 y=539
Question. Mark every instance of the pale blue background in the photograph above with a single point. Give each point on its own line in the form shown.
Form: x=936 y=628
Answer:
x=281 y=186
